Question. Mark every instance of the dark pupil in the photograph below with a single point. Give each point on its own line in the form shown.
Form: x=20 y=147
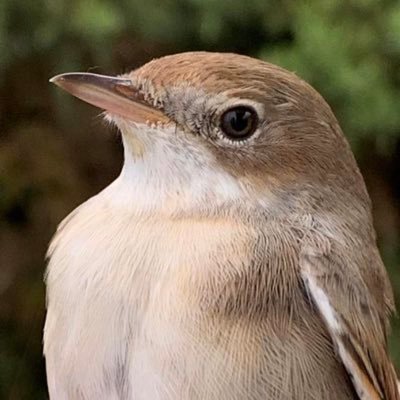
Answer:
x=239 y=120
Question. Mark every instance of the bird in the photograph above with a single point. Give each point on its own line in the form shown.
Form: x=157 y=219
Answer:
x=234 y=257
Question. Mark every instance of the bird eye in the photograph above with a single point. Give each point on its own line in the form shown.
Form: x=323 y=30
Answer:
x=239 y=123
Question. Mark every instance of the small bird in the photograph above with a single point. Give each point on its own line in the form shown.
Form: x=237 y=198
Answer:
x=233 y=258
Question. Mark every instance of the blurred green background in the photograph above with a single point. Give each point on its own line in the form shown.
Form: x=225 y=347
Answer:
x=55 y=151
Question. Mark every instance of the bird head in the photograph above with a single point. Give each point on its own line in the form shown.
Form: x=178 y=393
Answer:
x=203 y=130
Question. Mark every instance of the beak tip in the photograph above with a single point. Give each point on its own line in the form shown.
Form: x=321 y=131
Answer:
x=56 y=79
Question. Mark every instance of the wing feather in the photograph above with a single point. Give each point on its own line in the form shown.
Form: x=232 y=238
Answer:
x=361 y=350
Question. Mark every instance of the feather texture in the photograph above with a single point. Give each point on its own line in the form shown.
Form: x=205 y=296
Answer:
x=362 y=352
x=215 y=268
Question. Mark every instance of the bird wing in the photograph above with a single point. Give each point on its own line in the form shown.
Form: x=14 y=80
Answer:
x=354 y=312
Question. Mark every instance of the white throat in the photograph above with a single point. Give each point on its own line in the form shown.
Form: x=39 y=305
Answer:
x=169 y=173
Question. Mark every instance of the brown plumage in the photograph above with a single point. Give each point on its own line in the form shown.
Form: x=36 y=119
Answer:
x=237 y=269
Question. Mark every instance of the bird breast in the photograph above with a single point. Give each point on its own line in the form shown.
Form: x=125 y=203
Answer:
x=149 y=306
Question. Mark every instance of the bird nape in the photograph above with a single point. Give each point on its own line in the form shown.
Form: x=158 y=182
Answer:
x=233 y=258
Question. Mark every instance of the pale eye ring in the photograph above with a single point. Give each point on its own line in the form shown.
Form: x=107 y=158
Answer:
x=239 y=122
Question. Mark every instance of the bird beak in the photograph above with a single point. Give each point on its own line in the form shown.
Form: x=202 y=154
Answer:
x=118 y=96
